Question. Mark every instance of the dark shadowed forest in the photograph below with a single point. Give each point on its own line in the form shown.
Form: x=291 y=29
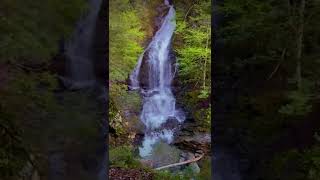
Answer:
x=49 y=129
x=266 y=90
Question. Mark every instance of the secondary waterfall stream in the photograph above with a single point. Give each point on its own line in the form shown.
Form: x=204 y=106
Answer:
x=79 y=48
x=159 y=104
x=80 y=68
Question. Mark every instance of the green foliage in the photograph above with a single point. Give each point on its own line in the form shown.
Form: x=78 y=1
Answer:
x=259 y=40
x=130 y=24
x=30 y=29
x=9 y=162
x=125 y=45
x=288 y=165
x=312 y=161
x=205 y=172
x=299 y=100
x=181 y=175
x=121 y=100
x=204 y=115
x=69 y=119
x=299 y=104
x=186 y=173
x=193 y=46
x=25 y=95
x=159 y=175
x=124 y=99
x=194 y=53
x=165 y=175
x=25 y=100
x=122 y=156
x=193 y=99
x=125 y=39
x=115 y=119
x=12 y=155
x=297 y=165
x=204 y=93
x=248 y=19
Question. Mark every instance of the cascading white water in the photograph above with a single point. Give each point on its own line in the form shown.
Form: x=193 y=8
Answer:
x=159 y=103
x=134 y=76
x=78 y=50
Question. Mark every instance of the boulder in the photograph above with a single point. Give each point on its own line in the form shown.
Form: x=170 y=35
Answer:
x=147 y=162
x=199 y=143
x=144 y=72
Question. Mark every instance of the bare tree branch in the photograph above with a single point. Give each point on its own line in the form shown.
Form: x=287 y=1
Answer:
x=277 y=67
x=181 y=163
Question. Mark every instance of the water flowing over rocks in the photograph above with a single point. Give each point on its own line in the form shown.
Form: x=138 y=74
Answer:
x=162 y=143
x=153 y=76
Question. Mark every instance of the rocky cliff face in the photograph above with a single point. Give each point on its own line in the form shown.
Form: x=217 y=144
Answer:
x=162 y=10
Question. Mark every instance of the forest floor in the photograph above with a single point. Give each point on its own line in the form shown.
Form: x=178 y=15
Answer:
x=134 y=174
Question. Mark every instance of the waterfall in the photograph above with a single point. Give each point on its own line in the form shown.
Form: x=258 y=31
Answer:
x=134 y=76
x=159 y=104
x=80 y=68
x=78 y=50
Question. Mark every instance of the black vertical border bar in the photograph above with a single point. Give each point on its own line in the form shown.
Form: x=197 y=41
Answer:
x=100 y=55
x=213 y=28
x=217 y=58
x=106 y=2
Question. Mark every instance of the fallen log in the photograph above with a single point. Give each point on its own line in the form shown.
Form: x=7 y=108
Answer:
x=181 y=163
